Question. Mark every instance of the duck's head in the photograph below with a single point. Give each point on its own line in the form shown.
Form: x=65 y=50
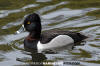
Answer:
x=32 y=23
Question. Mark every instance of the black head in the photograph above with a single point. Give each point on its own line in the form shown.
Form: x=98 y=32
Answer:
x=32 y=23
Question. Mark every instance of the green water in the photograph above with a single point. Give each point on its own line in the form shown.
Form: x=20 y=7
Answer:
x=75 y=15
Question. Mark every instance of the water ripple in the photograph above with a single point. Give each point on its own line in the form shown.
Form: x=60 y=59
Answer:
x=4 y=13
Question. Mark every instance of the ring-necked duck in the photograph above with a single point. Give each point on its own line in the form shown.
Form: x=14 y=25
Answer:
x=49 y=39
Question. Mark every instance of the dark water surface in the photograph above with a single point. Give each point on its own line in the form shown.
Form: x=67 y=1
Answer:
x=54 y=14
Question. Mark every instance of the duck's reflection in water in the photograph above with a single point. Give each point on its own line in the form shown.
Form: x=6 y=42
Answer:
x=37 y=58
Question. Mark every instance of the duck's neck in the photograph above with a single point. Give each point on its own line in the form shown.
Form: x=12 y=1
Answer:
x=35 y=35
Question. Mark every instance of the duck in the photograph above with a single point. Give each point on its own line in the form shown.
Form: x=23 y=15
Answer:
x=50 y=39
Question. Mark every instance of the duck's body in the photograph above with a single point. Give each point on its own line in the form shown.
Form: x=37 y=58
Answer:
x=49 y=39
x=52 y=39
x=59 y=41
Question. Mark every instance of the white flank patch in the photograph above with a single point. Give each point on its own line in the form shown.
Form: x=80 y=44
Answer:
x=59 y=41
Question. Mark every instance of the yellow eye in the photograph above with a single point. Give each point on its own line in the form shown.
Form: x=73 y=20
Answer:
x=28 y=22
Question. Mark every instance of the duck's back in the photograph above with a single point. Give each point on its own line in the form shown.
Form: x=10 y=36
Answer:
x=49 y=35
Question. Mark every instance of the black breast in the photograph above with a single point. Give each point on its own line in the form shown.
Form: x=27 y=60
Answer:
x=30 y=45
x=47 y=36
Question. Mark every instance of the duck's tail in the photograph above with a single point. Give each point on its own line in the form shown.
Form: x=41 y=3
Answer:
x=80 y=37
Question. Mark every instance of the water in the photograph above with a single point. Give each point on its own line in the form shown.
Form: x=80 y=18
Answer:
x=11 y=45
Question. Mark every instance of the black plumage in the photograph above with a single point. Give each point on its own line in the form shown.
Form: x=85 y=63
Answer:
x=48 y=35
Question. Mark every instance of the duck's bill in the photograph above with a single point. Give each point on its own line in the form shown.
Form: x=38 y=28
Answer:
x=22 y=29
